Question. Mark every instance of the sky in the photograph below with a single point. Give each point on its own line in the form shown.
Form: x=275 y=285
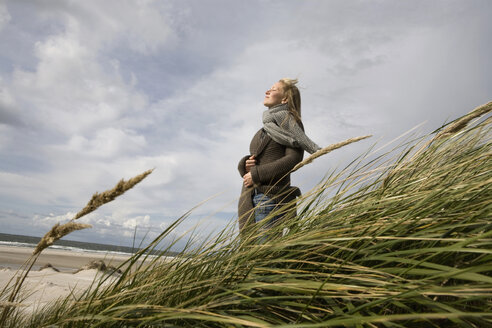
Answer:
x=95 y=91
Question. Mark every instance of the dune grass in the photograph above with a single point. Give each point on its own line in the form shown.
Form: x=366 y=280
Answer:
x=400 y=240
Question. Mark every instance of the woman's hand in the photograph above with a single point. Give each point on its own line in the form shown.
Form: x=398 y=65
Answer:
x=250 y=162
x=248 y=180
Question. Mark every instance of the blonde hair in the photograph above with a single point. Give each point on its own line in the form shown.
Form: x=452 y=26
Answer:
x=293 y=97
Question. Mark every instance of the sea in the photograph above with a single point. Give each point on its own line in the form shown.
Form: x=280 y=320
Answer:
x=74 y=246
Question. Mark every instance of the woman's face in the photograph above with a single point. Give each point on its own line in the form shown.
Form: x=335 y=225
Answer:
x=274 y=96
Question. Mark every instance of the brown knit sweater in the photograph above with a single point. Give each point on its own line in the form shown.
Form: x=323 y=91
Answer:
x=273 y=162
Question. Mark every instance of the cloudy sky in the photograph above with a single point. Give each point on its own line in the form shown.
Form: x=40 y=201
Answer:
x=95 y=91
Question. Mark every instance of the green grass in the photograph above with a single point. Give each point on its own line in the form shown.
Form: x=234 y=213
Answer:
x=402 y=240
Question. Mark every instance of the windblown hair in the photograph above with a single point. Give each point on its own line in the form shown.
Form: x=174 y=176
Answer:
x=293 y=97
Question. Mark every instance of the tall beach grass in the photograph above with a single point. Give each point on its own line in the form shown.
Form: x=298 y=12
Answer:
x=401 y=240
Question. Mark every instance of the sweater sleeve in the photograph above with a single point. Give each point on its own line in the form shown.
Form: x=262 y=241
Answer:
x=264 y=173
x=242 y=165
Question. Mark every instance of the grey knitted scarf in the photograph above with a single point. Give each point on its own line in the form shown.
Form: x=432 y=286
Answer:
x=282 y=127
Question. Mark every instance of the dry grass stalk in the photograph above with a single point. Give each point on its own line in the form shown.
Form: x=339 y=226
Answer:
x=109 y=195
x=57 y=232
x=326 y=150
x=462 y=122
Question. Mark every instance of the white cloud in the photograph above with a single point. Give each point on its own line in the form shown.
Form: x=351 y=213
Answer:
x=27 y=188
x=4 y=15
x=49 y=221
x=6 y=99
x=119 y=224
x=137 y=221
x=70 y=92
x=75 y=87
x=107 y=143
x=143 y=26
x=9 y=110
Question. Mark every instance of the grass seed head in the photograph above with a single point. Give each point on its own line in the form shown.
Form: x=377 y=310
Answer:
x=107 y=196
x=58 y=231
x=326 y=150
x=462 y=122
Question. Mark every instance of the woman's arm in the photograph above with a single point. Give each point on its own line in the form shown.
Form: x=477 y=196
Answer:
x=265 y=173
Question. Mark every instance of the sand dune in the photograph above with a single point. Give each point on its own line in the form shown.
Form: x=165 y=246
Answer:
x=48 y=285
x=44 y=286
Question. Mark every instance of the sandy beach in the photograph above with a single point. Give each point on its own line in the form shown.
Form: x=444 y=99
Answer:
x=63 y=260
x=47 y=285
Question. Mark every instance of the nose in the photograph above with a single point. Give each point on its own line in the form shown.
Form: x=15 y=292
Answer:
x=267 y=92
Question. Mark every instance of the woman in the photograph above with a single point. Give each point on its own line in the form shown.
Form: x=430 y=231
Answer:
x=274 y=151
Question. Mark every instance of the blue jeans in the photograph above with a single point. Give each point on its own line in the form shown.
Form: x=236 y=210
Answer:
x=263 y=206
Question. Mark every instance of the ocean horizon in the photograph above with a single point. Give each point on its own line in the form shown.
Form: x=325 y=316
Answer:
x=11 y=240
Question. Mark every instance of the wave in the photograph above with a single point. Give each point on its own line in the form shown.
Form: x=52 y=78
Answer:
x=64 y=247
